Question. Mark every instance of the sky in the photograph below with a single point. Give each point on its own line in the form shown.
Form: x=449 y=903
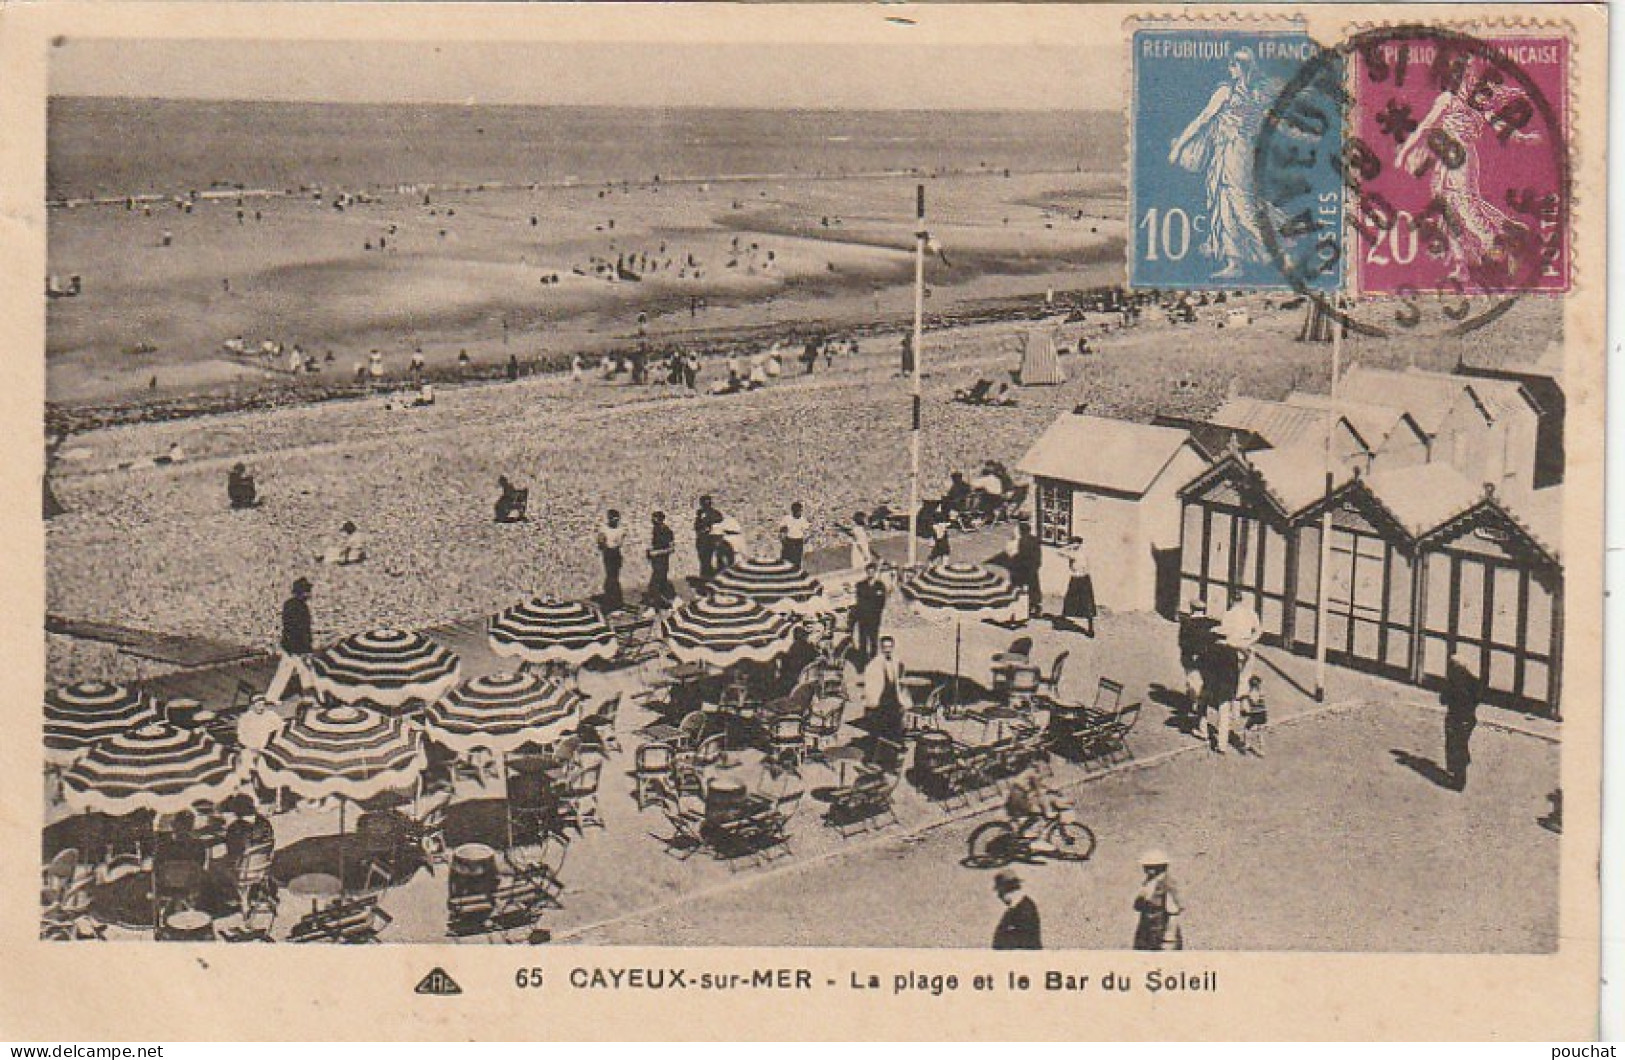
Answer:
x=871 y=70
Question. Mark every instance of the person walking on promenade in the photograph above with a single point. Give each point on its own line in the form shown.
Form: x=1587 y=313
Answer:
x=706 y=517
x=1079 y=606
x=1221 y=682
x=1460 y=697
x=611 y=536
x=1028 y=567
x=296 y=646
x=793 y=530
x=662 y=543
x=1020 y=927
x=1196 y=632
x=867 y=613
x=1158 y=905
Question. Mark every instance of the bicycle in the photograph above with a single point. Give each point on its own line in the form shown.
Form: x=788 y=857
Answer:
x=1000 y=842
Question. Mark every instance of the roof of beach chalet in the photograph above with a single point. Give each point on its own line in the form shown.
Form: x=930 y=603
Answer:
x=1294 y=481
x=1427 y=396
x=1424 y=496
x=1283 y=426
x=1500 y=396
x=1112 y=455
x=1372 y=422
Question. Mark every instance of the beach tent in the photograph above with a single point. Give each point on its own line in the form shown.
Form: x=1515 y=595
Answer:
x=1040 y=364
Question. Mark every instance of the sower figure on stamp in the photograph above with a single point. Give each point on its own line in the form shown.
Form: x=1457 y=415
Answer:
x=1219 y=143
x=1460 y=698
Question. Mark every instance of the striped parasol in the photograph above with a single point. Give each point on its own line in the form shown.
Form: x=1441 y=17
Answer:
x=78 y=715
x=343 y=750
x=501 y=711
x=156 y=766
x=964 y=590
x=385 y=667
x=545 y=630
x=724 y=629
x=775 y=584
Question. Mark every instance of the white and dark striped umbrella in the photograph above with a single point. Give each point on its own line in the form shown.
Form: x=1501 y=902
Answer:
x=964 y=591
x=501 y=711
x=79 y=715
x=156 y=766
x=775 y=584
x=724 y=629
x=342 y=750
x=385 y=667
x=545 y=630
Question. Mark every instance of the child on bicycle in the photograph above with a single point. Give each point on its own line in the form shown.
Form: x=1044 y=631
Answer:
x=1254 y=717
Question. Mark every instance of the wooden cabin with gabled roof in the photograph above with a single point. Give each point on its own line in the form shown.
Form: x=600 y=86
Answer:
x=1492 y=587
x=1423 y=563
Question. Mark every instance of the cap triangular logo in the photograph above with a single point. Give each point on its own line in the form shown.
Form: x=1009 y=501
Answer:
x=438 y=982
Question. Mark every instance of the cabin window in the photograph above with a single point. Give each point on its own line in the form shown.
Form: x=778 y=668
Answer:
x=1054 y=512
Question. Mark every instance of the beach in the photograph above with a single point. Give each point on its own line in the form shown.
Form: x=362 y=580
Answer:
x=454 y=255
x=157 y=547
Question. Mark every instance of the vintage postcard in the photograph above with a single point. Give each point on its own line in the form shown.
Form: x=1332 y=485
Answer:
x=802 y=521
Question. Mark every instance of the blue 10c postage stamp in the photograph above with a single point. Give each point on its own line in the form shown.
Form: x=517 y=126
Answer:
x=1204 y=101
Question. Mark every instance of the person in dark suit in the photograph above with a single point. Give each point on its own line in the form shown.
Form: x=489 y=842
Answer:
x=1019 y=927
x=867 y=612
x=662 y=543
x=1460 y=698
x=296 y=643
x=1027 y=567
x=706 y=517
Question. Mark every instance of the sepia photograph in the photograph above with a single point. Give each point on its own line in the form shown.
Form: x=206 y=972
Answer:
x=1094 y=487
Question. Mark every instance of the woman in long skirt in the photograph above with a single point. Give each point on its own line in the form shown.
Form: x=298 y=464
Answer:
x=1079 y=607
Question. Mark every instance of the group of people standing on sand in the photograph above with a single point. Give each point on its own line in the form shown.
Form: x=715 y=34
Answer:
x=719 y=541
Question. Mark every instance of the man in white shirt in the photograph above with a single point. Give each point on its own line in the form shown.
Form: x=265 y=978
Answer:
x=611 y=536
x=255 y=728
x=886 y=698
x=1241 y=629
x=793 y=530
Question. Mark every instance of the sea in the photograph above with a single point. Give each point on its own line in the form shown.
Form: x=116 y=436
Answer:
x=117 y=147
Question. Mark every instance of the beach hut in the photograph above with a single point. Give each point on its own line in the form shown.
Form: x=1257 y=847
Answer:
x=1236 y=534
x=1116 y=485
x=1040 y=363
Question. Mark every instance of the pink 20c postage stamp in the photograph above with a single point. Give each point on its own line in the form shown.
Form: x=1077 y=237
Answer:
x=1460 y=144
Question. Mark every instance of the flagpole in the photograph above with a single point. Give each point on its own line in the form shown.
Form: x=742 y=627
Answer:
x=919 y=327
x=1326 y=520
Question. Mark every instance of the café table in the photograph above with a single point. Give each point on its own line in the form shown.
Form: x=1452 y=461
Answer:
x=842 y=756
x=316 y=886
x=189 y=925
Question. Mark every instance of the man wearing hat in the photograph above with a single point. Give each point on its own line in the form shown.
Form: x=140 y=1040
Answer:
x=1196 y=632
x=1019 y=926
x=296 y=643
x=1157 y=903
